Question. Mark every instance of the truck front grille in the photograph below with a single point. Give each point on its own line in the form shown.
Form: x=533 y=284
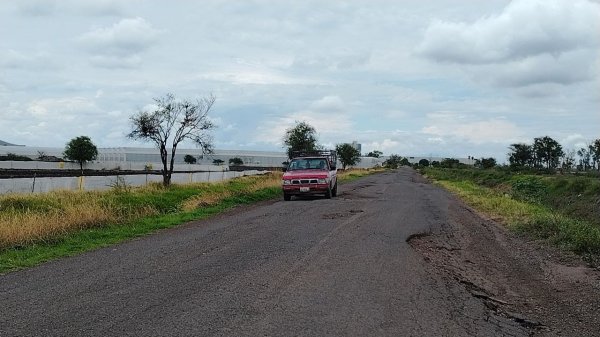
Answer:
x=304 y=181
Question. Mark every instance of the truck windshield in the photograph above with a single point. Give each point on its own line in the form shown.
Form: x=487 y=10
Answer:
x=308 y=164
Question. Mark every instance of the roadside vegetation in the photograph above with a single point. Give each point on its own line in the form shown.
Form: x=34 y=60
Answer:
x=39 y=227
x=545 y=191
x=562 y=209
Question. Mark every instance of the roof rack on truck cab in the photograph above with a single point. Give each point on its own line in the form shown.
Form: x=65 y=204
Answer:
x=329 y=154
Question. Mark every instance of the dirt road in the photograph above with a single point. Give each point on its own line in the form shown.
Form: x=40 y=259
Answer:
x=350 y=266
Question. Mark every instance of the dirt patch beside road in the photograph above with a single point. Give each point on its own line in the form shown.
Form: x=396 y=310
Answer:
x=546 y=290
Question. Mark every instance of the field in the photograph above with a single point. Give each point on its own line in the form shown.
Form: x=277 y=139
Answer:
x=40 y=227
x=561 y=209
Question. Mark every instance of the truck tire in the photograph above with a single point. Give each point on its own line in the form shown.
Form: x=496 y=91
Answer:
x=334 y=191
x=287 y=197
x=328 y=194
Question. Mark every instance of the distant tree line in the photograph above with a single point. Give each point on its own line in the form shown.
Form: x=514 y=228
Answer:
x=546 y=153
x=14 y=157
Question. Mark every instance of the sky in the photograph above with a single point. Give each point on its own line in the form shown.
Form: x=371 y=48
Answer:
x=443 y=78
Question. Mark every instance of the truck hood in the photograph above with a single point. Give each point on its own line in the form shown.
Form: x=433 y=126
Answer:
x=305 y=174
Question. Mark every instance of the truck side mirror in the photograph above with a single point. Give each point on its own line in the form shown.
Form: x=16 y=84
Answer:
x=283 y=169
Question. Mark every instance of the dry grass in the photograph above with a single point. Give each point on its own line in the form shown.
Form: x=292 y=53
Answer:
x=213 y=193
x=26 y=219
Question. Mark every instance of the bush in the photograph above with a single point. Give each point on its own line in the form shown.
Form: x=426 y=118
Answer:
x=529 y=188
x=236 y=161
x=14 y=157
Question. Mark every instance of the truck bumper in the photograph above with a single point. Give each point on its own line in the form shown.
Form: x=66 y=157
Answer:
x=305 y=189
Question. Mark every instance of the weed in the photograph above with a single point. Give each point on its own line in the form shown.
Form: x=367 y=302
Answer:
x=529 y=207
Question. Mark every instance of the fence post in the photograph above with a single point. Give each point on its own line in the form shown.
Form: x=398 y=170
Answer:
x=81 y=182
x=33 y=186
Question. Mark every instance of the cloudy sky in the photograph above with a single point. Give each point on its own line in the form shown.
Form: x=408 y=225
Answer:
x=445 y=78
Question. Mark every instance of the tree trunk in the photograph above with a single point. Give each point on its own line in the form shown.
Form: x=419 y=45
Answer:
x=165 y=172
x=81 y=167
x=172 y=161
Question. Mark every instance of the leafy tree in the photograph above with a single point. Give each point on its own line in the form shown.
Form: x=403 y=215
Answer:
x=521 y=155
x=301 y=137
x=81 y=149
x=347 y=155
x=435 y=163
x=424 y=162
x=189 y=159
x=449 y=163
x=595 y=149
x=172 y=122
x=218 y=162
x=485 y=163
x=404 y=162
x=236 y=161
x=547 y=151
x=585 y=157
x=568 y=160
x=393 y=161
x=374 y=154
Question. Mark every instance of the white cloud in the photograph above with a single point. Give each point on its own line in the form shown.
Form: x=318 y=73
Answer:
x=121 y=44
x=326 y=115
x=525 y=28
x=13 y=59
x=386 y=146
x=529 y=43
x=53 y=7
x=98 y=7
x=443 y=124
x=116 y=62
x=574 y=141
x=328 y=104
x=62 y=107
x=566 y=68
x=36 y=7
x=254 y=76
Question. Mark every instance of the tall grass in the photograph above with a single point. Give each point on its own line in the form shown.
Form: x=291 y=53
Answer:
x=521 y=204
x=27 y=219
x=38 y=227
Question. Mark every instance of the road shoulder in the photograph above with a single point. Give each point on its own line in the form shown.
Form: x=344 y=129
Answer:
x=550 y=292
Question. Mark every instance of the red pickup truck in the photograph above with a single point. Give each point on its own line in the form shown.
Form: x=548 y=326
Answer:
x=311 y=173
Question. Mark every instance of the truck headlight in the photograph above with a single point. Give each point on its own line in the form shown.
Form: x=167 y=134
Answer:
x=287 y=182
x=322 y=181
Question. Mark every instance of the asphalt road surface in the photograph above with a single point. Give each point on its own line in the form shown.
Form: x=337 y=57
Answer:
x=309 y=267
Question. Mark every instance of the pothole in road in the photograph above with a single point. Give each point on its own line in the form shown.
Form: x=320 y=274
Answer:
x=339 y=215
x=443 y=253
x=332 y=216
x=351 y=195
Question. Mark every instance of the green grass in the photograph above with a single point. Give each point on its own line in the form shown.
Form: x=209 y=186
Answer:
x=525 y=204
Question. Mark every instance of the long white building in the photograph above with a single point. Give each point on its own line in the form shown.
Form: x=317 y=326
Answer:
x=151 y=156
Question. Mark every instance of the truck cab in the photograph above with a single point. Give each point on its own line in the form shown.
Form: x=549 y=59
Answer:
x=311 y=173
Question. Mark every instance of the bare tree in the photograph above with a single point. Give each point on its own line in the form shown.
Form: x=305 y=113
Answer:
x=172 y=122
